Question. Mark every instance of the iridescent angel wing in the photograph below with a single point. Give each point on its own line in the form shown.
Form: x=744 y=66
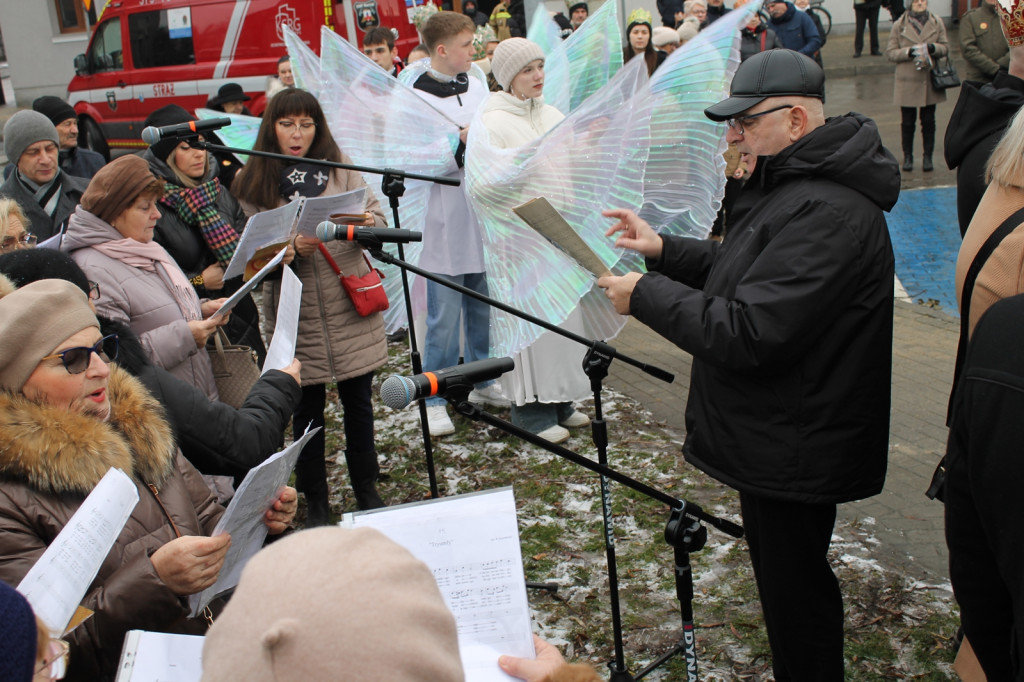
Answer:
x=381 y=122
x=305 y=63
x=580 y=65
x=683 y=182
x=543 y=29
x=604 y=139
x=241 y=134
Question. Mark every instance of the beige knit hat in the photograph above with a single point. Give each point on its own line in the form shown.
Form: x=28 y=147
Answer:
x=115 y=186
x=663 y=35
x=510 y=57
x=334 y=604
x=34 y=320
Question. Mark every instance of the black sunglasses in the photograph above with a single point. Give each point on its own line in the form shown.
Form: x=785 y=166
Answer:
x=76 y=360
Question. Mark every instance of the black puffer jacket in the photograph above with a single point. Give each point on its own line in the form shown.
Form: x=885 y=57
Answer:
x=790 y=322
x=980 y=118
x=216 y=438
x=188 y=249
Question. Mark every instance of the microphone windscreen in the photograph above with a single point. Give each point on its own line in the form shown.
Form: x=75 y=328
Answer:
x=396 y=392
x=150 y=135
x=325 y=231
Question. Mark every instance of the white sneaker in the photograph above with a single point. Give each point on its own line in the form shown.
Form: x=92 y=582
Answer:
x=555 y=434
x=490 y=395
x=438 y=421
x=575 y=420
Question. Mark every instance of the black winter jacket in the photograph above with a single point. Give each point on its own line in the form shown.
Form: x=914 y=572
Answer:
x=216 y=438
x=189 y=250
x=981 y=116
x=790 y=322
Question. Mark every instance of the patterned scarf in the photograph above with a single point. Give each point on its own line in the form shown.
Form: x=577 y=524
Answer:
x=198 y=206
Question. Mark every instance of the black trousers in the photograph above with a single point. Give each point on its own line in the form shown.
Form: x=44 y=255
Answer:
x=800 y=598
x=869 y=16
x=357 y=414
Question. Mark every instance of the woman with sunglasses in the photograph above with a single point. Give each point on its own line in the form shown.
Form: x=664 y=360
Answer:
x=66 y=418
x=110 y=235
x=13 y=231
x=335 y=343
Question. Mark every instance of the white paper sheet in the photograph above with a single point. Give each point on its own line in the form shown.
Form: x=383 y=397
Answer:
x=315 y=210
x=51 y=243
x=282 y=344
x=471 y=543
x=263 y=229
x=244 y=290
x=243 y=519
x=58 y=581
x=160 y=657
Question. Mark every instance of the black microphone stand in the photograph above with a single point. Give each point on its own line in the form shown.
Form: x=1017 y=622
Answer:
x=595 y=364
x=393 y=186
x=683 y=531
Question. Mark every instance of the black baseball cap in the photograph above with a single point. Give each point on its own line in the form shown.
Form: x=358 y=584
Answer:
x=773 y=73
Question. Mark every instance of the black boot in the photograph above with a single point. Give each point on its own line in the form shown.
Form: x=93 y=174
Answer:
x=363 y=470
x=926 y=163
x=907 y=129
x=927 y=137
x=311 y=480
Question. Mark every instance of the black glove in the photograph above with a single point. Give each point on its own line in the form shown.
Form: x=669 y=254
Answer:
x=931 y=48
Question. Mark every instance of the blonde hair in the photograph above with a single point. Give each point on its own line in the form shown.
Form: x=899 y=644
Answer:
x=1006 y=164
x=10 y=208
x=185 y=180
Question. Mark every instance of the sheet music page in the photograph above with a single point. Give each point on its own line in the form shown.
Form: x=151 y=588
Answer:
x=58 y=581
x=471 y=544
x=243 y=519
x=266 y=228
x=318 y=209
x=51 y=243
x=542 y=216
x=161 y=657
x=244 y=290
x=286 y=329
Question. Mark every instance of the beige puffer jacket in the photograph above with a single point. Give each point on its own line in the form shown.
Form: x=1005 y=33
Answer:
x=334 y=342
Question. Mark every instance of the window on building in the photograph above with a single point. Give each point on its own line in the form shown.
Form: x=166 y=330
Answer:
x=70 y=16
x=161 y=38
x=105 y=50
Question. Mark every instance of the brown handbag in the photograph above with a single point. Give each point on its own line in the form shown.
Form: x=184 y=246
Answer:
x=235 y=369
x=367 y=292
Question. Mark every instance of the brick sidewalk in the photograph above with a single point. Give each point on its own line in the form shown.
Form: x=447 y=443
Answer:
x=908 y=526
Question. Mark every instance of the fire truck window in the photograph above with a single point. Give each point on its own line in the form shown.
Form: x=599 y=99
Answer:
x=152 y=43
x=105 y=51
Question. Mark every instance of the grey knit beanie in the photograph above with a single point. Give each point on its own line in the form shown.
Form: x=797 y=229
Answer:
x=26 y=128
x=511 y=56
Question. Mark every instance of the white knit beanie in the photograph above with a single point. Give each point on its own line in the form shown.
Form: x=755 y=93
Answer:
x=663 y=35
x=511 y=56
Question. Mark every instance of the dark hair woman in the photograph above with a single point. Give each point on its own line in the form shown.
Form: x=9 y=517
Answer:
x=335 y=343
x=200 y=222
x=638 y=39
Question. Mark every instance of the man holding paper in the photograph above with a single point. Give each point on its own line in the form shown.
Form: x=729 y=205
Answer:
x=66 y=418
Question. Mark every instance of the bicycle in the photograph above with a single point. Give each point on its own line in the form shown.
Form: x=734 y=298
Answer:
x=817 y=8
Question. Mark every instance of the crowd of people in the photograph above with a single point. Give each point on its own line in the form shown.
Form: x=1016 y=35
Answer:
x=787 y=312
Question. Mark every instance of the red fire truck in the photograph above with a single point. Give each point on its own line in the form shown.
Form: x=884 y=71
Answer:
x=145 y=54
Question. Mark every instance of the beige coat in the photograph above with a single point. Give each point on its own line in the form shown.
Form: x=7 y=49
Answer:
x=334 y=342
x=913 y=88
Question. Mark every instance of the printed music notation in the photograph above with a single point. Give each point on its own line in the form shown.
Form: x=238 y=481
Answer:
x=471 y=544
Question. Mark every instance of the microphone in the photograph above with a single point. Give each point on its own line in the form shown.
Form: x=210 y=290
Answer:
x=369 y=236
x=398 y=391
x=152 y=134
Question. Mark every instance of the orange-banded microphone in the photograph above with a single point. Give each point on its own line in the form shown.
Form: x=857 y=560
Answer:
x=367 y=236
x=398 y=391
x=151 y=134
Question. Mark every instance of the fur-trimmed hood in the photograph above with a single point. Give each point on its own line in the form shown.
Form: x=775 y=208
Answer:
x=58 y=452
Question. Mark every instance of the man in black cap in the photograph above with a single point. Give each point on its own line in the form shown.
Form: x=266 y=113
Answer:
x=578 y=13
x=73 y=160
x=789 y=322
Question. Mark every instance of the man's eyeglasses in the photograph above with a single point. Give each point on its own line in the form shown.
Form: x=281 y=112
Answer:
x=54 y=666
x=76 y=360
x=738 y=123
x=22 y=241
